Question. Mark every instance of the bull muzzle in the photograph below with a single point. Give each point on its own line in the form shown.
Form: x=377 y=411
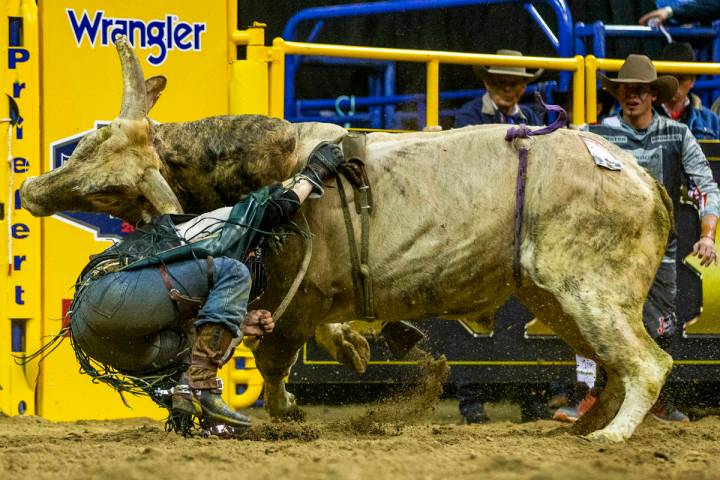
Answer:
x=33 y=201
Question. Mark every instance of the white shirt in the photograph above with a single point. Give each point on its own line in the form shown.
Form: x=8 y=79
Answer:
x=203 y=225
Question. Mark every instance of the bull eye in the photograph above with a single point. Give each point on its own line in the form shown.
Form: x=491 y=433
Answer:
x=104 y=201
x=111 y=196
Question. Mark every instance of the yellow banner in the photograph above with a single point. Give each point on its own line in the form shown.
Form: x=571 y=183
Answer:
x=184 y=40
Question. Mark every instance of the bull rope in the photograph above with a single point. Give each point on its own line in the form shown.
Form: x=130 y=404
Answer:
x=307 y=239
x=523 y=131
x=252 y=343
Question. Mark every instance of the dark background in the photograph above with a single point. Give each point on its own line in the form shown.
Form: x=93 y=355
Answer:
x=480 y=29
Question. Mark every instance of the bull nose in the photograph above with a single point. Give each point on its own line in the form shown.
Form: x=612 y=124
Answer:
x=29 y=202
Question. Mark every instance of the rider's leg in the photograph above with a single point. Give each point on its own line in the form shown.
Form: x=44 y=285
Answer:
x=218 y=324
x=127 y=320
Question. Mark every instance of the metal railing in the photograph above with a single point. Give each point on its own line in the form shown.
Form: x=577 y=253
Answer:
x=432 y=59
x=562 y=41
x=709 y=38
x=598 y=33
x=318 y=108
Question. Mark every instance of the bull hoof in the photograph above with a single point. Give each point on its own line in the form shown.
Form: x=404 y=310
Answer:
x=283 y=409
x=353 y=350
x=585 y=427
x=294 y=414
x=602 y=436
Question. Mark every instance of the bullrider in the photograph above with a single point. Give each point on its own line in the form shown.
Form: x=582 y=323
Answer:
x=174 y=295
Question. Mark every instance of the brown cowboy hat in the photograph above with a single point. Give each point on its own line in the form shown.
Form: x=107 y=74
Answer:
x=483 y=72
x=639 y=69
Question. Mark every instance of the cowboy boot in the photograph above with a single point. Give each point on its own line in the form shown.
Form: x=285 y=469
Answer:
x=201 y=396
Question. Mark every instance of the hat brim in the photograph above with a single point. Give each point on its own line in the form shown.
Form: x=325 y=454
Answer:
x=484 y=72
x=665 y=85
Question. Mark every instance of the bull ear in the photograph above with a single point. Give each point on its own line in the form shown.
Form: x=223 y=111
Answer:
x=134 y=106
x=154 y=87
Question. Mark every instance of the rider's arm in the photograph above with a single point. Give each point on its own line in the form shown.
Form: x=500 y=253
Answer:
x=302 y=188
x=321 y=166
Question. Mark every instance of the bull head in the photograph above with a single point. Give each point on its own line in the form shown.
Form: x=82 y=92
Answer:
x=114 y=169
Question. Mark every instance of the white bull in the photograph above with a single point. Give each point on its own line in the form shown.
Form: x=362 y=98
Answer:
x=441 y=236
x=441 y=240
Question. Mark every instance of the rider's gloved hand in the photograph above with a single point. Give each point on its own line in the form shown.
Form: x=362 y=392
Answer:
x=322 y=165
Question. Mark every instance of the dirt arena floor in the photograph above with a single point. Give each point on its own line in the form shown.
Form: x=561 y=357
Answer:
x=404 y=438
x=326 y=446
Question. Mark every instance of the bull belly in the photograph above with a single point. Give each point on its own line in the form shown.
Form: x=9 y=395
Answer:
x=444 y=289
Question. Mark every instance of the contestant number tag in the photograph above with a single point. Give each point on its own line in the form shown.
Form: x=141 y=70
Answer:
x=601 y=155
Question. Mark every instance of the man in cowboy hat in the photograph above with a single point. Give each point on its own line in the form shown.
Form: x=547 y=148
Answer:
x=667 y=150
x=684 y=106
x=505 y=86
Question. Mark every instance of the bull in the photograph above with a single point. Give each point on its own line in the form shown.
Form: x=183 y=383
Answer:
x=441 y=234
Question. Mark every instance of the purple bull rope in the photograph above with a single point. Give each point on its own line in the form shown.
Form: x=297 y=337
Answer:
x=523 y=131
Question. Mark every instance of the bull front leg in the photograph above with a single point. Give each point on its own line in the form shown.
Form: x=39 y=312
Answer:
x=275 y=354
x=344 y=344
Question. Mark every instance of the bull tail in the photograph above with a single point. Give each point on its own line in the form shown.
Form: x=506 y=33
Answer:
x=667 y=202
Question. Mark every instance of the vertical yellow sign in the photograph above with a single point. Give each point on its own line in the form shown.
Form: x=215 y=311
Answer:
x=21 y=265
x=184 y=40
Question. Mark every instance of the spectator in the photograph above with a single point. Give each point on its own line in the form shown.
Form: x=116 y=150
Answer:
x=687 y=12
x=667 y=150
x=684 y=106
x=505 y=86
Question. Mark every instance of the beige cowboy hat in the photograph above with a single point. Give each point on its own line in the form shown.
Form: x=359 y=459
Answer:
x=639 y=69
x=483 y=72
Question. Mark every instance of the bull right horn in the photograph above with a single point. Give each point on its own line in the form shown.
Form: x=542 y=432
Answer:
x=134 y=99
x=157 y=191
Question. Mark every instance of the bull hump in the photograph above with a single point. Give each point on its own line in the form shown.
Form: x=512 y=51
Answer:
x=224 y=158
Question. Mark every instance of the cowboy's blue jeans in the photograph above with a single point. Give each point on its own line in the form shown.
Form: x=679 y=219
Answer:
x=127 y=320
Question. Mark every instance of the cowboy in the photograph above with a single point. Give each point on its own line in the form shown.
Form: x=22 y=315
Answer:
x=174 y=290
x=667 y=150
x=505 y=86
x=686 y=107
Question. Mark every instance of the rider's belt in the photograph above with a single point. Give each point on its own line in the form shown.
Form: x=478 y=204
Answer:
x=187 y=306
x=354 y=151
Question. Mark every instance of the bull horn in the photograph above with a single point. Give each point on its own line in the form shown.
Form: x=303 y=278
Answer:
x=134 y=99
x=156 y=189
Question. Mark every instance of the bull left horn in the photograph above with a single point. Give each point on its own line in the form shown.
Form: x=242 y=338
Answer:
x=134 y=99
x=157 y=191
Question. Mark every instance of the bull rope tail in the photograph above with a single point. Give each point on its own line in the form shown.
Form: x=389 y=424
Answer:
x=307 y=237
x=523 y=131
x=252 y=343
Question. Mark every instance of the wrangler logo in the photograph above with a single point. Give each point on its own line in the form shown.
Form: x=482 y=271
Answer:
x=162 y=35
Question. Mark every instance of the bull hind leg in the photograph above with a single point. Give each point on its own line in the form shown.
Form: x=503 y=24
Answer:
x=605 y=408
x=551 y=313
x=641 y=370
x=615 y=338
